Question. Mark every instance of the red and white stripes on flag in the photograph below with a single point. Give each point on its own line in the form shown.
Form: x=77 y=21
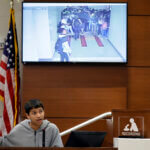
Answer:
x=9 y=79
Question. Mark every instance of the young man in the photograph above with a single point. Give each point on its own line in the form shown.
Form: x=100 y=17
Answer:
x=33 y=131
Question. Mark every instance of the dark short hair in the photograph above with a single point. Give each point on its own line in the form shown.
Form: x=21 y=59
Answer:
x=33 y=103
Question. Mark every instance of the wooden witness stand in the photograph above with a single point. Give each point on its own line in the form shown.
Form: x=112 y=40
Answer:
x=48 y=148
x=120 y=119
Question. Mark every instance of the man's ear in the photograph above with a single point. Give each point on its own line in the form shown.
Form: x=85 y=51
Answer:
x=27 y=116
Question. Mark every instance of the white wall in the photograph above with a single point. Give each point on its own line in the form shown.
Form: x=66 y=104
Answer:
x=4 y=21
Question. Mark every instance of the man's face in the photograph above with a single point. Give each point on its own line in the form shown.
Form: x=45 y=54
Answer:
x=36 y=115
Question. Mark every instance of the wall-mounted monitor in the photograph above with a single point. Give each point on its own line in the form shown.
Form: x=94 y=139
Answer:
x=74 y=32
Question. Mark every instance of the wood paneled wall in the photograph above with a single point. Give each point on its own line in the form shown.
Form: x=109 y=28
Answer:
x=139 y=54
x=75 y=93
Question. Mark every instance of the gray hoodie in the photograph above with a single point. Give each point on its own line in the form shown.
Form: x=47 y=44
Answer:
x=22 y=135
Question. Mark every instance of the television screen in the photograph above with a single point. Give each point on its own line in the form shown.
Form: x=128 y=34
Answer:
x=74 y=32
x=85 y=139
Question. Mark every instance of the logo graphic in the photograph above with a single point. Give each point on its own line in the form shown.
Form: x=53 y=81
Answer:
x=132 y=126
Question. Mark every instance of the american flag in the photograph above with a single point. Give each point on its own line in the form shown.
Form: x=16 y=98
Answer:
x=9 y=79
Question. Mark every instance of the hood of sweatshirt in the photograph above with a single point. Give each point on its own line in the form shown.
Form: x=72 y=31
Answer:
x=26 y=124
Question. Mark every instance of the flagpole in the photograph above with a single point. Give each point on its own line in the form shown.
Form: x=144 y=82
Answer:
x=16 y=72
x=11 y=3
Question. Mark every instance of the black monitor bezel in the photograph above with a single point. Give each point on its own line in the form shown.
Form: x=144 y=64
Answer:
x=77 y=63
